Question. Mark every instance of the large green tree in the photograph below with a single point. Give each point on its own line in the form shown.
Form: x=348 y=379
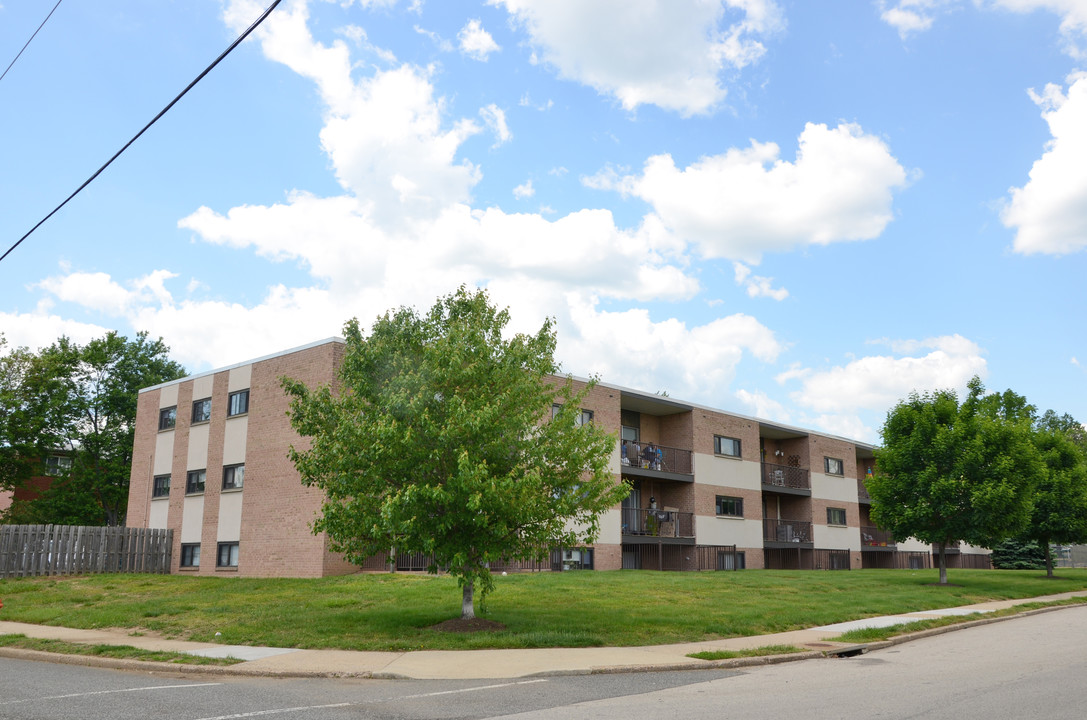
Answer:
x=81 y=401
x=1059 y=514
x=439 y=439
x=950 y=471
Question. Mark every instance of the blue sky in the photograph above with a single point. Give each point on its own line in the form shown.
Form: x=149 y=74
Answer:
x=790 y=209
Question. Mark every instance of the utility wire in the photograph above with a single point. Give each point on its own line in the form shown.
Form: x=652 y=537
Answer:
x=155 y=119
x=31 y=38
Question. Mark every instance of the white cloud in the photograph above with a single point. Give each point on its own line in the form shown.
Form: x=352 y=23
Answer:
x=524 y=190
x=1049 y=213
x=495 y=118
x=757 y=285
x=669 y=53
x=475 y=42
x=41 y=328
x=442 y=44
x=749 y=201
x=913 y=16
x=877 y=382
x=763 y=406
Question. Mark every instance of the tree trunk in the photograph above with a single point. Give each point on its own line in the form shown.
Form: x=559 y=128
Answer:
x=1048 y=560
x=943 y=562
x=467 y=609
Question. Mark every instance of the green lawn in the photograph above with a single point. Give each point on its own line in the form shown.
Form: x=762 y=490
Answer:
x=572 y=609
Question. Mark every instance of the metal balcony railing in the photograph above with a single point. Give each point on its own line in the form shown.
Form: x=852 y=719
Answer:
x=797 y=531
x=658 y=523
x=655 y=457
x=785 y=476
x=874 y=537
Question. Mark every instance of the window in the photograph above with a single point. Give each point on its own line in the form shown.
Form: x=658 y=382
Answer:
x=726 y=446
x=233 y=476
x=201 y=410
x=190 y=555
x=833 y=466
x=58 y=465
x=228 y=555
x=835 y=516
x=195 y=482
x=161 y=486
x=168 y=418
x=730 y=506
x=584 y=418
x=728 y=560
x=239 y=403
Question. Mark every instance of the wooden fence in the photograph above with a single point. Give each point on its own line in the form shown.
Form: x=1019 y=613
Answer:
x=69 y=550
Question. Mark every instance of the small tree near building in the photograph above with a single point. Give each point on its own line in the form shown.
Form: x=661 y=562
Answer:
x=440 y=440
x=948 y=471
x=1059 y=514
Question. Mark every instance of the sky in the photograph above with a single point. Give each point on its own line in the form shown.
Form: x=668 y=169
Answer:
x=793 y=209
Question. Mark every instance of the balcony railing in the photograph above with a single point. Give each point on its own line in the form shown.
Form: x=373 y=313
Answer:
x=655 y=457
x=862 y=492
x=785 y=476
x=874 y=537
x=797 y=531
x=658 y=523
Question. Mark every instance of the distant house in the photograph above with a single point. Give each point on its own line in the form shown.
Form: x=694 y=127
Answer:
x=54 y=464
x=712 y=490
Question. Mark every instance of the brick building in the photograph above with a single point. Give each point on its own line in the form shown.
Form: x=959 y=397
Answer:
x=710 y=489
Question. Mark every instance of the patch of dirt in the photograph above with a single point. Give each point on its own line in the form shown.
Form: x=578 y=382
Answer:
x=460 y=625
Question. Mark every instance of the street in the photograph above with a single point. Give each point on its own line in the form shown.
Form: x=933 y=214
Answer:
x=1024 y=667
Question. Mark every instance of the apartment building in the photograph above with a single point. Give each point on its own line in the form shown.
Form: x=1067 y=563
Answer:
x=710 y=489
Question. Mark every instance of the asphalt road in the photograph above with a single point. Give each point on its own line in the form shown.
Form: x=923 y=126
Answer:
x=1030 y=667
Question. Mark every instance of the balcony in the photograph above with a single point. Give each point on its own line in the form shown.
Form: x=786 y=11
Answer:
x=650 y=525
x=872 y=537
x=862 y=494
x=785 y=478
x=656 y=461
x=786 y=531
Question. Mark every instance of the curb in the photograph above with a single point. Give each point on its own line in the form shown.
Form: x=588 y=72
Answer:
x=157 y=667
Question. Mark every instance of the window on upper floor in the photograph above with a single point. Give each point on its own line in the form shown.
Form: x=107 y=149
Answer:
x=233 y=477
x=833 y=466
x=238 y=403
x=228 y=555
x=835 y=516
x=201 y=410
x=58 y=465
x=726 y=446
x=168 y=418
x=584 y=418
x=730 y=506
x=194 y=482
x=190 y=555
x=161 y=486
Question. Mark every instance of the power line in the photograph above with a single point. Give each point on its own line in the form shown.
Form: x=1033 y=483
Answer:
x=31 y=38
x=155 y=119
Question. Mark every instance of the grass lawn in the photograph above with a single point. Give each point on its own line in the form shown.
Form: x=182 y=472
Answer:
x=572 y=609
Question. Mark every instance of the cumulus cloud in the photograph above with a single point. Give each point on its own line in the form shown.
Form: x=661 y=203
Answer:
x=42 y=327
x=524 y=190
x=912 y=16
x=1049 y=213
x=669 y=53
x=475 y=42
x=749 y=201
x=877 y=382
x=757 y=285
x=495 y=118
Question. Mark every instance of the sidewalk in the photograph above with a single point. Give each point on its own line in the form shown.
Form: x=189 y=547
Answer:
x=480 y=664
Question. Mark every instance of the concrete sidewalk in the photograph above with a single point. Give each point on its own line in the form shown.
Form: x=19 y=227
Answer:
x=481 y=664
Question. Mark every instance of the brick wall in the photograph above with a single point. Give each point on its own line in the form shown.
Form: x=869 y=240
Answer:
x=143 y=453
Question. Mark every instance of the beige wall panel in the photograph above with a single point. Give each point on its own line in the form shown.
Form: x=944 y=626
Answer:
x=192 y=518
x=833 y=487
x=913 y=545
x=230 y=517
x=615 y=462
x=836 y=538
x=164 y=453
x=727 y=472
x=728 y=531
x=234 y=440
x=240 y=378
x=156 y=517
x=168 y=395
x=611 y=527
x=201 y=387
x=198 y=447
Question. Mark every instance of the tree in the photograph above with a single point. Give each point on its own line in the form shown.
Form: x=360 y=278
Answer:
x=441 y=440
x=1059 y=514
x=1015 y=554
x=949 y=471
x=81 y=400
